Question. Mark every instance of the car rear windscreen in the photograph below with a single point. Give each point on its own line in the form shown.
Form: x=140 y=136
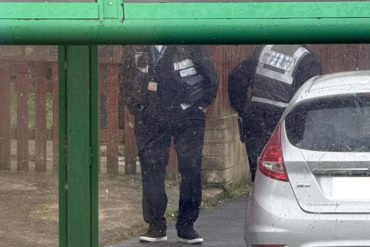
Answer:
x=337 y=124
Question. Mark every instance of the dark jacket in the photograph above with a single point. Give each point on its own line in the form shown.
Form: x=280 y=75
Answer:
x=242 y=78
x=155 y=91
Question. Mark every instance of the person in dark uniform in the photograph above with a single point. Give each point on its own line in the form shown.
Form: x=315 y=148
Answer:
x=168 y=89
x=260 y=88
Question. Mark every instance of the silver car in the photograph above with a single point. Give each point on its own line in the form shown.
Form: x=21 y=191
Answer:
x=312 y=187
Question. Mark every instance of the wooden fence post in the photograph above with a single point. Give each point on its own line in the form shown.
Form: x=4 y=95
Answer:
x=40 y=128
x=112 y=131
x=54 y=78
x=22 y=116
x=5 y=117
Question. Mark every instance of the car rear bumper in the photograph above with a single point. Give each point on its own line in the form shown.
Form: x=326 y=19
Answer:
x=274 y=217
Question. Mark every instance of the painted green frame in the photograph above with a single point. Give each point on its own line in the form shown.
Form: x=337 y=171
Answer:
x=78 y=27
x=111 y=22
x=78 y=146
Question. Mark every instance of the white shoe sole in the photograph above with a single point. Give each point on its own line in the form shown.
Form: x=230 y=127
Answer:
x=191 y=241
x=149 y=239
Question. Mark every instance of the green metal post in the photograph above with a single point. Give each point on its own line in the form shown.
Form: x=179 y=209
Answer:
x=78 y=183
x=94 y=144
x=62 y=101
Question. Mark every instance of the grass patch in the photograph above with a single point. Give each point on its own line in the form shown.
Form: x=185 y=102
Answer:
x=229 y=192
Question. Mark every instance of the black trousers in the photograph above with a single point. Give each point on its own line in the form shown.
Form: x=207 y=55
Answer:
x=153 y=141
x=259 y=122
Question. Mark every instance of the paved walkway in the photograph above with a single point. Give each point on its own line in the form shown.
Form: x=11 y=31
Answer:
x=221 y=226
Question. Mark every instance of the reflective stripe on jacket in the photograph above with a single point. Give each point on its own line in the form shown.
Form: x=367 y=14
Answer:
x=273 y=80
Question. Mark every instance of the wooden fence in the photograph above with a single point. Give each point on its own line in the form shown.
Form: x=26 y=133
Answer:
x=29 y=106
x=27 y=92
x=29 y=118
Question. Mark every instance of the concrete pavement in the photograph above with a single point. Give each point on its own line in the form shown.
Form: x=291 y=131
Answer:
x=221 y=226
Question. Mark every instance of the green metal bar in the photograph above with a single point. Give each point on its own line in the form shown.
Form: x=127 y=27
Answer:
x=79 y=144
x=212 y=23
x=45 y=10
x=247 y=10
x=94 y=144
x=333 y=30
x=62 y=149
x=239 y=10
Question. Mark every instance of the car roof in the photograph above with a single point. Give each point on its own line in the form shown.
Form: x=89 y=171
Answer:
x=342 y=83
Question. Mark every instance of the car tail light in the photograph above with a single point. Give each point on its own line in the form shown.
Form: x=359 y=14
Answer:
x=271 y=161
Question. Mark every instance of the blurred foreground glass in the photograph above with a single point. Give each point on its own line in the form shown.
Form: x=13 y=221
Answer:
x=224 y=159
x=29 y=137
